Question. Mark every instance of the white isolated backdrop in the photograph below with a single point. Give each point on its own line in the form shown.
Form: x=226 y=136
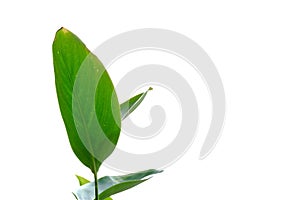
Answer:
x=255 y=46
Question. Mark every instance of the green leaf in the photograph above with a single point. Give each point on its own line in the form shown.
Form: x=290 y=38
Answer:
x=110 y=185
x=87 y=100
x=82 y=180
x=130 y=105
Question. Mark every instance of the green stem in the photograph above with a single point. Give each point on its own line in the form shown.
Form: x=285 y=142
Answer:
x=96 y=186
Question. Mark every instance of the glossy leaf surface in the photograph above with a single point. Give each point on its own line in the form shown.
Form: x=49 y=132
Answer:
x=87 y=100
x=83 y=181
x=110 y=185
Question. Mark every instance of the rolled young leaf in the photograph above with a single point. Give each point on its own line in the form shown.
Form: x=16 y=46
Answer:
x=87 y=100
x=110 y=185
x=130 y=105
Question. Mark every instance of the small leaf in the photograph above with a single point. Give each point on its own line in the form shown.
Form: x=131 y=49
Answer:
x=82 y=180
x=108 y=198
x=110 y=185
x=130 y=105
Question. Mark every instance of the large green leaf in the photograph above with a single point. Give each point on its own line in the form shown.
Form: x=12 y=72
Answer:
x=130 y=105
x=87 y=100
x=110 y=185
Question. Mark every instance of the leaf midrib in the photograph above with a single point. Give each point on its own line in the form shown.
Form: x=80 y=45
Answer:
x=81 y=116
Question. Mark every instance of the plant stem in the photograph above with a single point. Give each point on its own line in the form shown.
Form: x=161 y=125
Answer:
x=96 y=186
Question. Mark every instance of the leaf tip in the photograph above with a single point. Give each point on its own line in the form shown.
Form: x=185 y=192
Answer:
x=150 y=88
x=63 y=29
x=158 y=170
x=62 y=32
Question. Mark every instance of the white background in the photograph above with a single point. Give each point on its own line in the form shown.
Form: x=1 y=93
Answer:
x=255 y=46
